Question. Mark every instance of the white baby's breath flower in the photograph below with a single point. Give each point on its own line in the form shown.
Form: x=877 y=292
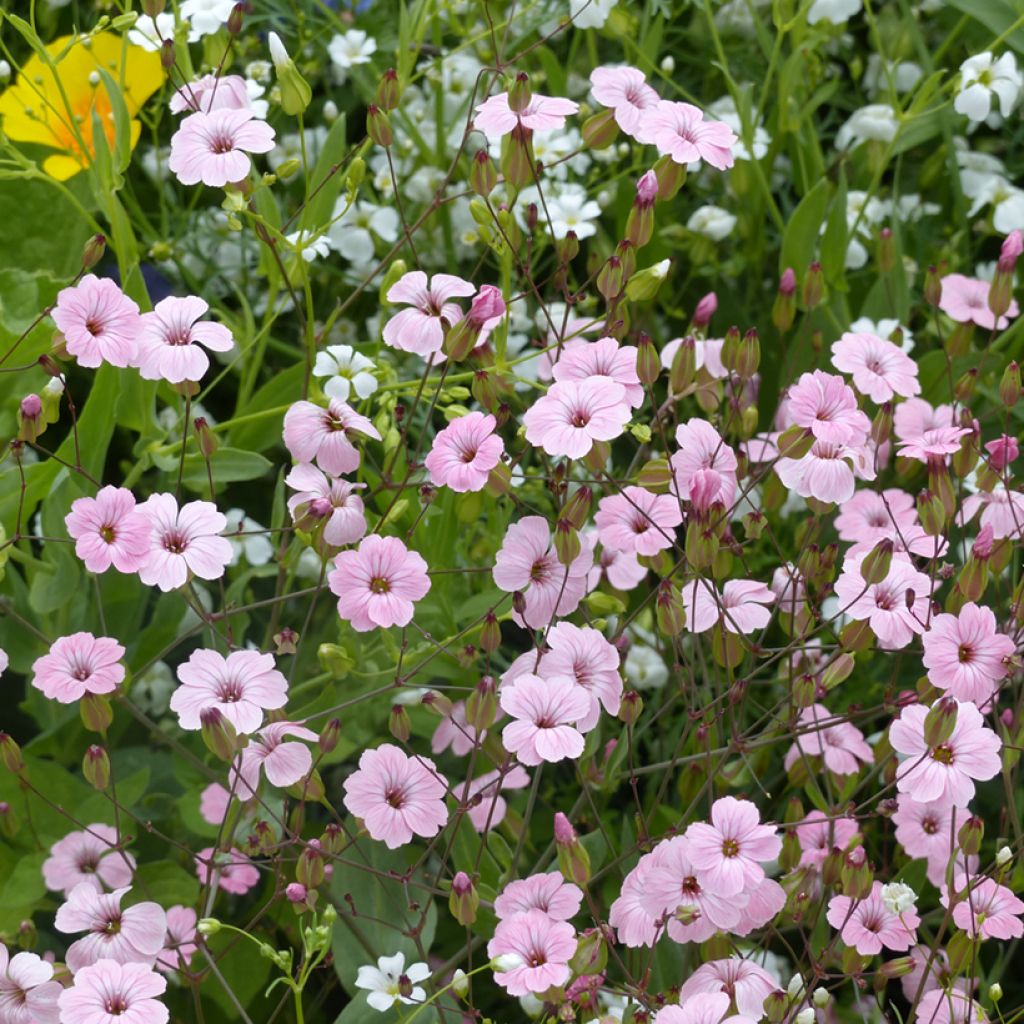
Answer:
x=898 y=898
x=385 y=982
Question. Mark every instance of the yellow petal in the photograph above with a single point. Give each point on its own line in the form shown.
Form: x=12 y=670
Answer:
x=62 y=167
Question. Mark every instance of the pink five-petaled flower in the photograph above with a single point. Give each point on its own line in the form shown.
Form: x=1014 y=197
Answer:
x=211 y=92
x=284 y=762
x=745 y=982
x=702 y=1008
x=985 y=909
x=740 y=606
x=180 y=939
x=638 y=520
x=99 y=322
x=602 y=358
x=929 y=831
x=378 y=584
x=574 y=414
x=108 y=992
x=826 y=472
x=884 y=605
x=169 y=339
x=232 y=870
x=826 y=405
x=334 y=502
x=965 y=655
x=914 y=416
x=702 y=447
x=837 y=741
x=950 y=769
x=28 y=993
x=464 y=453
x=183 y=540
x=819 y=835
x=545 y=713
x=109 y=530
x=91 y=857
x=397 y=796
x=625 y=91
x=240 y=686
x=495 y=118
x=965 y=300
x=543 y=946
x=79 y=664
x=213 y=147
x=942 y=1005
x=680 y=131
x=727 y=853
x=932 y=445
x=869 y=516
x=879 y=368
x=131 y=935
x=311 y=432
x=869 y=926
x=421 y=327
x=584 y=654
x=551 y=893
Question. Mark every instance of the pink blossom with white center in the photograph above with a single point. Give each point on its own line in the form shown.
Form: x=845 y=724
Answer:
x=827 y=472
x=421 y=327
x=378 y=584
x=528 y=562
x=583 y=654
x=240 y=686
x=544 y=946
x=284 y=762
x=739 y=607
x=915 y=416
x=545 y=713
x=728 y=852
x=28 y=993
x=638 y=520
x=702 y=447
x=231 y=870
x=213 y=147
x=949 y=770
x=826 y=405
x=819 y=835
x=333 y=501
x=79 y=664
x=99 y=322
x=708 y=352
x=495 y=118
x=549 y=893
x=984 y=909
x=602 y=358
x=746 y=983
x=933 y=445
x=965 y=300
x=928 y=831
x=949 y=1006
x=312 y=433
x=838 y=742
x=625 y=91
x=211 y=93
x=879 y=368
x=169 y=339
x=622 y=569
x=182 y=541
x=884 y=605
x=1002 y=510
x=128 y=935
x=574 y=414
x=180 y=939
x=868 y=515
x=487 y=807
x=89 y=857
x=464 y=453
x=109 y=992
x=965 y=655
x=869 y=926
x=630 y=915
x=109 y=530
x=455 y=732
x=680 y=131
x=702 y=1008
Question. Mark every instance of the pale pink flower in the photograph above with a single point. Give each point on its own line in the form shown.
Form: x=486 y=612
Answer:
x=213 y=147
x=819 y=835
x=625 y=91
x=378 y=584
x=88 y=857
x=827 y=472
x=109 y=992
x=879 y=368
x=284 y=762
x=397 y=796
x=583 y=654
x=99 y=322
x=965 y=655
x=630 y=914
x=703 y=1008
x=312 y=433
x=487 y=807
x=128 y=935
x=965 y=300
x=931 y=968
x=333 y=501
x=914 y=416
x=985 y=909
x=1002 y=510
x=949 y=1006
x=464 y=453
x=728 y=852
x=949 y=770
x=1002 y=451
x=602 y=358
x=543 y=945
x=169 y=339
x=180 y=939
x=869 y=516
x=933 y=445
x=928 y=831
x=622 y=569
x=213 y=803
x=455 y=732
x=739 y=607
x=884 y=605
x=109 y=530
x=680 y=131
x=211 y=93
x=545 y=713
x=495 y=118
x=183 y=540
x=910 y=540
x=574 y=414
x=746 y=983
x=230 y=869
x=638 y=520
x=869 y=926
x=826 y=405
x=421 y=327
x=28 y=993
x=702 y=447
x=240 y=686
x=708 y=352
x=79 y=664
x=838 y=742
x=550 y=893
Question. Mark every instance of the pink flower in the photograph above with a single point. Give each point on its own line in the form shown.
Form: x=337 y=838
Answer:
x=79 y=664
x=602 y=358
x=109 y=992
x=929 y=831
x=90 y=857
x=949 y=1006
x=680 y=131
x=487 y=807
x=550 y=893
x=232 y=870
x=378 y=584
x=630 y=915
x=543 y=945
x=1002 y=451
x=932 y=445
x=575 y=414
x=948 y=770
x=708 y=352
x=819 y=835
x=746 y=983
x=965 y=655
x=211 y=93
x=914 y=416
x=826 y=472
x=180 y=939
x=703 y=1008
x=421 y=328
x=869 y=516
x=240 y=686
x=622 y=569
x=740 y=606
x=109 y=530
x=879 y=368
x=214 y=802
x=183 y=541
x=869 y=926
x=28 y=993
x=495 y=118
x=581 y=653
x=826 y=405
x=334 y=502
x=727 y=853
x=965 y=300
x=985 y=909
x=132 y=935
x=167 y=345
x=884 y=605
x=527 y=562
x=626 y=92
x=455 y=732
x=464 y=453
x=323 y=434
x=99 y=322
x=638 y=520
x=284 y=763
x=1003 y=511
x=213 y=147
x=838 y=742
x=702 y=447
x=545 y=712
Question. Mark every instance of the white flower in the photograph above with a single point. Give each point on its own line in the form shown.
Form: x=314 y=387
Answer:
x=149 y=33
x=569 y=209
x=352 y=47
x=795 y=989
x=876 y=121
x=384 y=981
x=883 y=329
x=254 y=91
x=1003 y=856
x=258 y=70
x=982 y=76
x=903 y=75
x=205 y=17
x=898 y=898
x=590 y=13
x=645 y=668
x=725 y=110
x=348 y=370
x=311 y=247
x=253 y=544
x=352 y=234
x=712 y=222
x=806 y=1016
x=507 y=962
x=836 y=11
x=1006 y=200
x=278 y=53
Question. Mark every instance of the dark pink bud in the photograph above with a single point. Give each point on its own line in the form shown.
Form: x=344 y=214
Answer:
x=984 y=542
x=705 y=485
x=31 y=406
x=705 y=310
x=565 y=834
x=647 y=189
x=296 y=892
x=462 y=884
x=320 y=508
x=1013 y=246
x=1002 y=451
x=787 y=283
x=486 y=305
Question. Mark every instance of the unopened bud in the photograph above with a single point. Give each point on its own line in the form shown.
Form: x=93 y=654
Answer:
x=96 y=767
x=95 y=712
x=482 y=704
x=600 y=130
x=10 y=754
x=483 y=176
x=970 y=836
x=205 y=437
x=519 y=94
x=399 y=723
x=463 y=900
x=1010 y=386
x=940 y=722
x=814 y=286
x=388 y=90
x=932 y=287
x=93 y=251
x=875 y=565
x=378 y=126
x=218 y=734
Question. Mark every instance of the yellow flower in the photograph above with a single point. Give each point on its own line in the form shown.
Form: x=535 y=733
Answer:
x=54 y=106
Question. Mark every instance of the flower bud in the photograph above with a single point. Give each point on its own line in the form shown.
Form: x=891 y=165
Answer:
x=463 y=900
x=93 y=251
x=519 y=94
x=95 y=712
x=205 y=437
x=334 y=659
x=940 y=722
x=482 y=704
x=600 y=130
x=218 y=734
x=1003 y=856
x=995 y=992
x=644 y=284
x=378 y=126
x=671 y=177
x=784 y=307
x=631 y=708
x=886 y=251
x=881 y=425
x=295 y=91
x=96 y=767
x=517 y=162
x=483 y=176
x=1009 y=385
x=670 y=612
x=609 y=278
x=970 y=836
x=389 y=91
x=875 y=566
x=704 y=311
x=748 y=356
x=31 y=422
x=814 y=286
x=932 y=286
x=684 y=366
x=10 y=754
x=573 y=859
x=399 y=723
x=309 y=871
x=235 y=18
x=208 y=926
x=648 y=365
x=577 y=509
x=167 y=55
x=296 y=892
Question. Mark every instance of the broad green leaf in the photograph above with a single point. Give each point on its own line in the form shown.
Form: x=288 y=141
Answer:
x=228 y=465
x=800 y=241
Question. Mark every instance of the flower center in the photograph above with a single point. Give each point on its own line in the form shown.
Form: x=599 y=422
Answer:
x=379 y=585
x=395 y=798
x=540 y=572
x=965 y=653
x=112 y=927
x=929 y=826
x=116 y=1005
x=175 y=543
x=580 y=418
x=943 y=753
x=94 y=326
x=536 y=958
x=221 y=144
x=108 y=533
x=730 y=848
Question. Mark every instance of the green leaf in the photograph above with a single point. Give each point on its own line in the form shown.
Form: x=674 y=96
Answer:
x=122 y=122
x=229 y=465
x=800 y=241
x=167 y=883
x=834 y=241
x=259 y=432
x=996 y=15
x=28 y=212
x=326 y=182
